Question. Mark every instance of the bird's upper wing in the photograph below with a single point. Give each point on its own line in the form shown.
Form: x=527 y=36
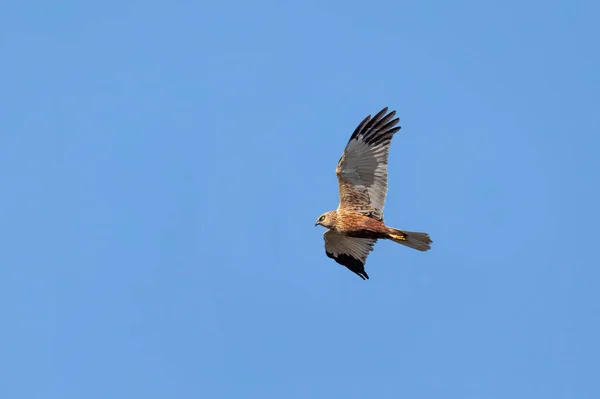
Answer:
x=351 y=252
x=362 y=169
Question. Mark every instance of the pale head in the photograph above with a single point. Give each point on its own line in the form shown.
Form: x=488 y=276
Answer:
x=327 y=220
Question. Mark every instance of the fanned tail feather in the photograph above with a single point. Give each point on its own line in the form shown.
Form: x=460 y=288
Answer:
x=418 y=241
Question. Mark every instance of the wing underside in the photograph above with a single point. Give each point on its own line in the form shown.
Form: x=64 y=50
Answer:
x=362 y=169
x=350 y=252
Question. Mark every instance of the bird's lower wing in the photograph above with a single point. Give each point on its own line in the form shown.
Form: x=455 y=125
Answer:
x=351 y=252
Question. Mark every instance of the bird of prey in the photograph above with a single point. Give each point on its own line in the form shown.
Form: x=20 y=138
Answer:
x=357 y=223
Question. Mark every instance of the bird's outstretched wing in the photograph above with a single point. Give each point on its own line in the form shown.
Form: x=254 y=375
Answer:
x=362 y=169
x=349 y=251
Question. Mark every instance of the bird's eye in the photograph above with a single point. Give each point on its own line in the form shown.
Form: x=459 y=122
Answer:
x=322 y=218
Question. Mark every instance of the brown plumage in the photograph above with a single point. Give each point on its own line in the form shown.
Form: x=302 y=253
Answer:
x=357 y=223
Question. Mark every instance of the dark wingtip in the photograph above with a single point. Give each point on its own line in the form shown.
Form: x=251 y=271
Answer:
x=362 y=274
x=383 y=112
x=353 y=264
x=380 y=126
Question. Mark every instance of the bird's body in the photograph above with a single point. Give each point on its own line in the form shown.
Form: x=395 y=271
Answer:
x=357 y=223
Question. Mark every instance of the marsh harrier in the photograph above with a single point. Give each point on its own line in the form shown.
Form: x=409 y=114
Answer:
x=357 y=223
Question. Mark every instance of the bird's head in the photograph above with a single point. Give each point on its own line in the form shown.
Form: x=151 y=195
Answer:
x=326 y=220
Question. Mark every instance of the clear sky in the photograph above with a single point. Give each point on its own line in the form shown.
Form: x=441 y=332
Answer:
x=162 y=165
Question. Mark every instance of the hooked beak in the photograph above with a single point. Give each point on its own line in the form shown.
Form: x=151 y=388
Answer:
x=316 y=224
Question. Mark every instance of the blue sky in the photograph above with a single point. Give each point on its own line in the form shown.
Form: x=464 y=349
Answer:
x=163 y=163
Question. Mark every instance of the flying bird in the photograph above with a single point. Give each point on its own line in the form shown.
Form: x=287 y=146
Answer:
x=357 y=223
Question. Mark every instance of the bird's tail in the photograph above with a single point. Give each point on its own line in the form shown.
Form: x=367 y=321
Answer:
x=418 y=241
